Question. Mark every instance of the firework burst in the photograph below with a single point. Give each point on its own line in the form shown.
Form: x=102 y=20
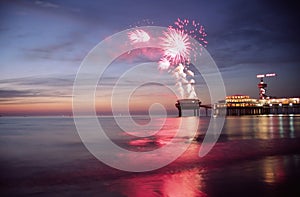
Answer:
x=192 y=28
x=176 y=46
x=137 y=36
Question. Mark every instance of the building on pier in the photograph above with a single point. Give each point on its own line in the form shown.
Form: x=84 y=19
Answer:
x=191 y=105
x=237 y=105
x=188 y=104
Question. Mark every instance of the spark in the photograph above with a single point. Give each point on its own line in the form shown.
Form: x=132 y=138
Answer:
x=144 y=22
x=137 y=36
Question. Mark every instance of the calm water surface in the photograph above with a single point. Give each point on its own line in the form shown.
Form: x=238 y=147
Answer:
x=254 y=156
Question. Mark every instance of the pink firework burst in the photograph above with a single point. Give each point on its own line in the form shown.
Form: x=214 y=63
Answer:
x=176 y=46
x=137 y=36
x=193 y=29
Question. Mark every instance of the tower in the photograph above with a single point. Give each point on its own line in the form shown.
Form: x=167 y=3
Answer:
x=262 y=85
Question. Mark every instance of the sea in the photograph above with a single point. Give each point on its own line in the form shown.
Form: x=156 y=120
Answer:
x=252 y=156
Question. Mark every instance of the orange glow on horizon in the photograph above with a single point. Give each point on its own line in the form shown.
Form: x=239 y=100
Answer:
x=63 y=106
x=37 y=106
x=36 y=109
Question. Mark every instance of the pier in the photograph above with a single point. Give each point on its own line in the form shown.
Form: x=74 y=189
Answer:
x=238 y=105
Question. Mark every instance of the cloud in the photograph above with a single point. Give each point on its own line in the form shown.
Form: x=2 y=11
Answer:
x=46 y=4
x=22 y=89
x=17 y=93
x=10 y=93
x=63 y=49
x=22 y=101
x=46 y=81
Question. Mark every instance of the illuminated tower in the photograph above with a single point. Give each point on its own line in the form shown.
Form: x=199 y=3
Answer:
x=262 y=88
x=262 y=85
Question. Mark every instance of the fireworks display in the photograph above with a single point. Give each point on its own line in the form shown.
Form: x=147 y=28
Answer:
x=177 y=48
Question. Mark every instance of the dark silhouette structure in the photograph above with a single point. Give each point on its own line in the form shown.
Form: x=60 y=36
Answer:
x=188 y=104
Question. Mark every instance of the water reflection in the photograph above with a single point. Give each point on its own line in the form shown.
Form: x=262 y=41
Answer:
x=185 y=183
x=277 y=169
x=261 y=127
x=266 y=176
x=174 y=130
x=273 y=170
x=150 y=152
x=281 y=131
x=292 y=129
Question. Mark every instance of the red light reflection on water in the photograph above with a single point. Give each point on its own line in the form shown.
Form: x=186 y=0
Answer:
x=166 y=134
x=161 y=149
x=161 y=138
x=184 y=183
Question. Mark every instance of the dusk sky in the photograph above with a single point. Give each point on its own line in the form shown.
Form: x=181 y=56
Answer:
x=44 y=42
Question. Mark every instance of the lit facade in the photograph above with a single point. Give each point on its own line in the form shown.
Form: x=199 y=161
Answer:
x=244 y=105
x=240 y=101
